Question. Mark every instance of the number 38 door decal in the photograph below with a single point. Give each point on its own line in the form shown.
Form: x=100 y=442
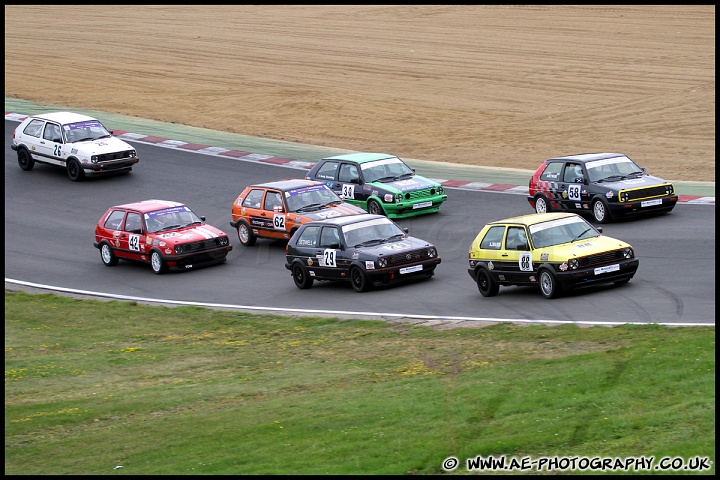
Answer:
x=348 y=191
x=525 y=262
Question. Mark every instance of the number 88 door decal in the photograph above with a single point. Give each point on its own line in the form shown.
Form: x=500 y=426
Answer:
x=525 y=262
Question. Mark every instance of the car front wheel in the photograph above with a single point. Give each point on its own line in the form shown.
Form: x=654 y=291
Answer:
x=548 y=284
x=600 y=211
x=358 y=279
x=374 y=207
x=245 y=234
x=541 y=204
x=74 y=171
x=108 y=256
x=301 y=277
x=157 y=263
x=486 y=284
x=25 y=160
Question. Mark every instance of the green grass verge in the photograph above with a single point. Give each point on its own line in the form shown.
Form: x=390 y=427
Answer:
x=95 y=387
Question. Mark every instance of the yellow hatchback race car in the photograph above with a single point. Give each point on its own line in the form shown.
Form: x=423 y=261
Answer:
x=555 y=251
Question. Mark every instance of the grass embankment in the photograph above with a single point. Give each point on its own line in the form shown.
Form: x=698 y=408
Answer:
x=95 y=387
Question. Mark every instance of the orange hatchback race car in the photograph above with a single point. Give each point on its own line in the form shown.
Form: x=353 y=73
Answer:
x=162 y=233
x=275 y=210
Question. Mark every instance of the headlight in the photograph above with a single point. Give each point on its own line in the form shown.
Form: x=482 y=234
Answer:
x=382 y=262
x=440 y=190
x=624 y=196
x=432 y=252
x=179 y=248
x=133 y=153
x=573 y=263
x=94 y=159
x=223 y=241
x=398 y=198
x=669 y=189
x=628 y=253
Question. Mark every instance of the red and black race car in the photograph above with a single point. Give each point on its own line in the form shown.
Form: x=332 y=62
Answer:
x=606 y=186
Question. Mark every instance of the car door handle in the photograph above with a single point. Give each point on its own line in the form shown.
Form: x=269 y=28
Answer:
x=504 y=254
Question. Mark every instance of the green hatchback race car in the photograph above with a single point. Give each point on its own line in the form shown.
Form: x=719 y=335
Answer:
x=380 y=183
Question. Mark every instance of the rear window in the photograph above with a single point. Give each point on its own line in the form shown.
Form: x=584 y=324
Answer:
x=493 y=238
x=34 y=128
x=552 y=172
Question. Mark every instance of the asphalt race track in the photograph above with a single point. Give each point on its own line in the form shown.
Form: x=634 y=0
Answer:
x=49 y=225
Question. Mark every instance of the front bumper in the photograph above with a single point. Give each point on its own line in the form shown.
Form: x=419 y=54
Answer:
x=399 y=273
x=410 y=208
x=664 y=204
x=587 y=276
x=196 y=259
x=109 y=166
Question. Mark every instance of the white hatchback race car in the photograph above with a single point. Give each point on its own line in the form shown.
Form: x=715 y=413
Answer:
x=77 y=142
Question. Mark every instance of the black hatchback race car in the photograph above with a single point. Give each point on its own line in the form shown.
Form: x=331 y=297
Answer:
x=604 y=185
x=364 y=249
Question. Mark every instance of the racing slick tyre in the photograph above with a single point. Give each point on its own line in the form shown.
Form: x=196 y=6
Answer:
x=157 y=263
x=245 y=234
x=74 y=171
x=541 y=204
x=600 y=211
x=108 y=256
x=486 y=284
x=358 y=279
x=301 y=277
x=25 y=160
x=374 y=207
x=549 y=286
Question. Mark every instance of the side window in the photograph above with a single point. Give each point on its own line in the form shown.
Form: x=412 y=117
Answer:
x=309 y=237
x=114 y=220
x=253 y=199
x=348 y=173
x=34 y=128
x=329 y=238
x=327 y=171
x=272 y=200
x=493 y=238
x=552 y=172
x=52 y=132
x=133 y=223
x=515 y=237
x=573 y=173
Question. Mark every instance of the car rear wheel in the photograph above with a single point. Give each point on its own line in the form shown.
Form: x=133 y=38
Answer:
x=600 y=211
x=541 y=204
x=245 y=234
x=358 y=279
x=157 y=263
x=301 y=277
x=374 y=207
x=75 y=173
x=486 y=285
x=108 y=256
x=25 y=160
x=549 y=286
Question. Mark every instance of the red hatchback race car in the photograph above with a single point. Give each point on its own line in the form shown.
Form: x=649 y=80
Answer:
x=162 y=233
